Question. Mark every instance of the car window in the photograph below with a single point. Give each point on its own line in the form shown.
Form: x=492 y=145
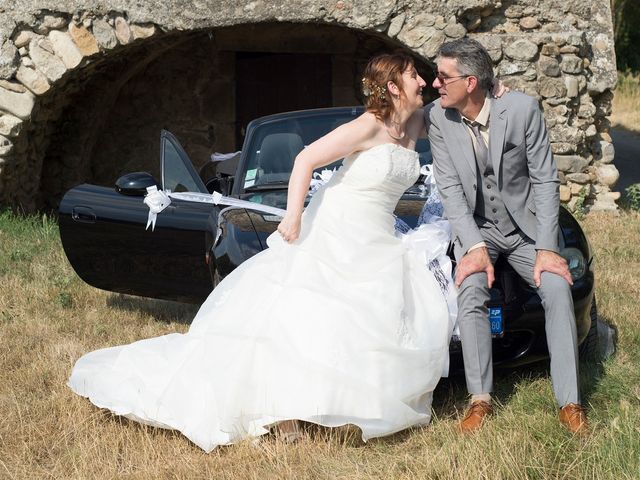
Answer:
x=178 y=174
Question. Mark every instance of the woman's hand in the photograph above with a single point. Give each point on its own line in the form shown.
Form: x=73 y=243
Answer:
x=289 y=227
x=499 y=88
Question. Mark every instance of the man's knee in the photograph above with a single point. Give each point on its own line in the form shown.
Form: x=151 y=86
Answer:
x=554 y=286
x=475 y=280
x=474 y=288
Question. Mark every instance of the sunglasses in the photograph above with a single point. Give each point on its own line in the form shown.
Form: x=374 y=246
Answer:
x=443 y=79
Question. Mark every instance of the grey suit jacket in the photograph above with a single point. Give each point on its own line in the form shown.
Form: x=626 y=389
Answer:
x=521 y=156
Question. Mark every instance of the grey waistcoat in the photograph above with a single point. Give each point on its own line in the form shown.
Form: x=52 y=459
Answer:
x=489 y=205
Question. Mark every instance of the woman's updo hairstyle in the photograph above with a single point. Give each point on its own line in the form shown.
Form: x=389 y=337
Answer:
x=380 y=70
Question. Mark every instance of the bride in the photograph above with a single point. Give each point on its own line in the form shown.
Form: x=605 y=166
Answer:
x=336 y=323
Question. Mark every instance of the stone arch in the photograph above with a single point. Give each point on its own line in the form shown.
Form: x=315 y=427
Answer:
x=50 y=58
x=73 y=76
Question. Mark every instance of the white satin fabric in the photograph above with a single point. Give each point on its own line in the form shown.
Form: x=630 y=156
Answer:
x=345 y=326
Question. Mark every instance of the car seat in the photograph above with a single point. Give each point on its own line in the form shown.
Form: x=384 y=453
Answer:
x=278 y=152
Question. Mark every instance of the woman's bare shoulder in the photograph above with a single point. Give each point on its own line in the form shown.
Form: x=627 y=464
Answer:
x=364 y=127
x=367 y=120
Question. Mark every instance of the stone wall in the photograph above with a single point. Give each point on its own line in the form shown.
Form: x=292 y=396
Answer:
x=74 y=76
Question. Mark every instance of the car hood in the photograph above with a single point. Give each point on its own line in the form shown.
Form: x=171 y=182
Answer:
x=408 y=209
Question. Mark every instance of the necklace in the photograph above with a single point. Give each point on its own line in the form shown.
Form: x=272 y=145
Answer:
x=396 y=125
x=399 y=137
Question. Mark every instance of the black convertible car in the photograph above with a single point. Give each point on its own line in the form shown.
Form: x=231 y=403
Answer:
x=194 y=245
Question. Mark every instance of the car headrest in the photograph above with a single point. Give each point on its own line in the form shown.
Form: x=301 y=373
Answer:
x=278 y=151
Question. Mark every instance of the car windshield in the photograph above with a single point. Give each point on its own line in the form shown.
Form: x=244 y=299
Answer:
x=274 y=147
x=275 y=144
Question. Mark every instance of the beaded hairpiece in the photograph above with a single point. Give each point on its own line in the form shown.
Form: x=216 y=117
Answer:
x=372 y=88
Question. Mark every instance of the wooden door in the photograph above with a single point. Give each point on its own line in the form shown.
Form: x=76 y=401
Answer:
x=270 y=83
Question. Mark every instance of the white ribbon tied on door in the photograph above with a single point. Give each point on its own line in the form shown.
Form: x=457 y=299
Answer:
x=158 y=200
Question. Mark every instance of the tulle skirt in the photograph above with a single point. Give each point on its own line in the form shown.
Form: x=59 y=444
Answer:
x=348 y=325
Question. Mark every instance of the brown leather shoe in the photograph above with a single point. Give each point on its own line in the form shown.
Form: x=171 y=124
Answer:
x=574 y=418
x=475 y=416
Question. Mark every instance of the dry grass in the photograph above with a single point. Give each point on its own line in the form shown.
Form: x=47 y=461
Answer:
x=626 y=102
x=48 y=318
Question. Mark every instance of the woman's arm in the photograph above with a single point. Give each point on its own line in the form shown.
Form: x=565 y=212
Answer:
x=346 y=139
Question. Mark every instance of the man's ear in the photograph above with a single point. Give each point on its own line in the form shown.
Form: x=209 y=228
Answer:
x=472 y=83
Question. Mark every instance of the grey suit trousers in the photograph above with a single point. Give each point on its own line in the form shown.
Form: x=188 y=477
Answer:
x=475 y=331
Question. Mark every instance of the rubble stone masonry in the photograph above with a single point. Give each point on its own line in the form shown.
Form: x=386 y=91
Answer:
x=559 y=51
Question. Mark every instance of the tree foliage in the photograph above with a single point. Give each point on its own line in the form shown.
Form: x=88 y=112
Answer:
x=626 y=19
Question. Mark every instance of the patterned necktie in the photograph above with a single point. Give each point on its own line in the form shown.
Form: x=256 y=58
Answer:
x=482 y=154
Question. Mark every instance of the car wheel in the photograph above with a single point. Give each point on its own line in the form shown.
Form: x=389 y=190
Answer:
x=589 y=347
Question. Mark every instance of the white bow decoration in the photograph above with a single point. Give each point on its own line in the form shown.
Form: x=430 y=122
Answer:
x=157 y=201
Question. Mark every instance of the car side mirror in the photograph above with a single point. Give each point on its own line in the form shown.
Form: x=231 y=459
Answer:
x=135 y=184
x=220 y=183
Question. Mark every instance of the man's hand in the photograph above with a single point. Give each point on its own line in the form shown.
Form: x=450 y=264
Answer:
x=475 y=261
x=548 y=261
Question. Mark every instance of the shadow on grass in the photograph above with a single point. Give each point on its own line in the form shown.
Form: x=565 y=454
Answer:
x=164 y=311
x=451 y=397
x=592 y=368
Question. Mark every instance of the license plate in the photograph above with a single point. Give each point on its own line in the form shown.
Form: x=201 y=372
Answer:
x=496 y=321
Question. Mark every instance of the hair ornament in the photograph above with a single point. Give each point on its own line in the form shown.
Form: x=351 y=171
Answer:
x=370 y=88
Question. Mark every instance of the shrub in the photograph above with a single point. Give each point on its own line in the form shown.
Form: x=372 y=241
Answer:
x=632 y=193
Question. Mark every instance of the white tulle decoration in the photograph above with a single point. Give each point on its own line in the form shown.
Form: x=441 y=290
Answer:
x=320 y=179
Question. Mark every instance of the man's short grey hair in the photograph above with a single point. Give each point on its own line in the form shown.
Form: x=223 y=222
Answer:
x=473 y=60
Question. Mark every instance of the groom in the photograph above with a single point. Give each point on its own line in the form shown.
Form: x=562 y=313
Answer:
x=499 y=186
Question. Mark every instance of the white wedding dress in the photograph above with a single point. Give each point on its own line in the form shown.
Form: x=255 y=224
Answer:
x=345 y=326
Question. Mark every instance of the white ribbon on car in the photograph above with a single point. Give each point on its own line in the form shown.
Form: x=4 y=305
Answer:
x=158 y=200
x=223 y=157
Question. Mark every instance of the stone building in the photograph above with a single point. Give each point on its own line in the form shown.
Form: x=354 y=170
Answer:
x=86 y=86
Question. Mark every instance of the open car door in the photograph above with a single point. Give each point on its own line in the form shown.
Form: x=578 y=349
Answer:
x=104 y=237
